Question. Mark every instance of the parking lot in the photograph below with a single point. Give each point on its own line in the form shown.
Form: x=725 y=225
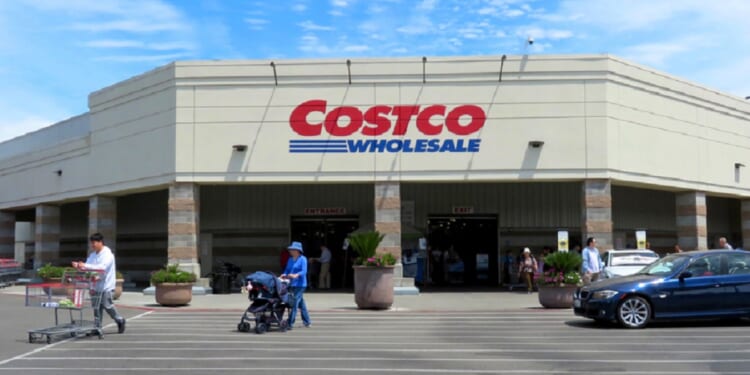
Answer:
x=531 y=341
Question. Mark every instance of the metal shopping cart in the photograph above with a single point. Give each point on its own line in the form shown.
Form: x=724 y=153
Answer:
x=74 y=294
x=10 y=271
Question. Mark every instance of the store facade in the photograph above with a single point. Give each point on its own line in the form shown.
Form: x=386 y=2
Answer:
x=204 y=162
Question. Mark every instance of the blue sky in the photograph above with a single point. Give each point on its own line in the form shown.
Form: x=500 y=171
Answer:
x=53 y=53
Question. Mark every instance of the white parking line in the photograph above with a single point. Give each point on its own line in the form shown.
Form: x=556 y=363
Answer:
x=213 y=370
x=48 y=346
x=319 y=348
x=391 y=359
x=531 y=336
x=431 y=341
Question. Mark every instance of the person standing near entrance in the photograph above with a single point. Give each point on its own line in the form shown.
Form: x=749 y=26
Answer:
x=296 y=272
x=592 y=262
x=527 y=269
x=723 y=244
x=102 y=259
x=324 y=280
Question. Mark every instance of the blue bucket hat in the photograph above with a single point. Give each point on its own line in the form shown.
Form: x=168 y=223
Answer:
x=296 y=246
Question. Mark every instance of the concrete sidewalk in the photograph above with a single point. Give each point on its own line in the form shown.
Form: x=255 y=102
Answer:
x=325 y=301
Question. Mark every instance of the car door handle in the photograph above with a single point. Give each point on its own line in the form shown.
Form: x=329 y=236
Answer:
x=717 y=286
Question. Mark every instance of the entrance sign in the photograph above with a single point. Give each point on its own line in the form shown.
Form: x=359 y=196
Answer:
x=562 y=241
x=325 y=211
x=381 y=128
x=640 y=239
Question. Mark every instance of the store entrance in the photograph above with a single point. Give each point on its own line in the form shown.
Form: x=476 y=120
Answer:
x=463 y=250
x=329 y=231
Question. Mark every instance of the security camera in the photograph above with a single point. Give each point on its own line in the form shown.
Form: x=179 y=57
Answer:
x=530 y=40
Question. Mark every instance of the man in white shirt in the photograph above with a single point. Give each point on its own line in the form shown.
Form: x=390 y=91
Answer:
x=723 y=244
x=324 y=279
x=102 y=259
x=592 y=262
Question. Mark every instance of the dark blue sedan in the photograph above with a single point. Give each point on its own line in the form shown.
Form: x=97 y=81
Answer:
x=691 y=285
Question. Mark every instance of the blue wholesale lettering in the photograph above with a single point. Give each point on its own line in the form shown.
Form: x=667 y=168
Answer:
x=387 y=146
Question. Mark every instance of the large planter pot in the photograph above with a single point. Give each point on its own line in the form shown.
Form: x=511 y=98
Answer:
x=557 y=297
x=118 y=289
x=174 y=294
x=373 y=287
x=57 y=291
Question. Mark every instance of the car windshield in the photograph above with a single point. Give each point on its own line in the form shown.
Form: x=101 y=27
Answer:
x=633 y=259
x=665 y=266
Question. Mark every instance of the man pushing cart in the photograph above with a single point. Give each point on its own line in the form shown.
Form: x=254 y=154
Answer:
x=102 y=260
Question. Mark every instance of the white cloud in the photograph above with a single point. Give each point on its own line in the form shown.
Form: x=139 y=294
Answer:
x=256 y=23
x=311 y=26
x=655 y=54
x=26 y=124
x=312 y=44
x=417 y=26
x=163 y=58
x=130 y=26
x=340 y=3
x=336 y=13
x=356 y=48
x=541 y=33
x=427 y=5
x=513 y=13
x=106 y=43
x=299 y=7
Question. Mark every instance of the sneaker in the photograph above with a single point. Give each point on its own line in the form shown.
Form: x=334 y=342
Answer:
x=121 y=325
x=308 y=325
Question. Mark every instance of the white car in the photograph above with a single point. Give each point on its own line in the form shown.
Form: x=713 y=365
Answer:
x=626 y=262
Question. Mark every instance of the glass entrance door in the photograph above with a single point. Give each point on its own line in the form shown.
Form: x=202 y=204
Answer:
x=330 y=231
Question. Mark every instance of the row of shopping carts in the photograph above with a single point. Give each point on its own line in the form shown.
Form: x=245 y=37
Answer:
x=10 y=271
x=74 y=297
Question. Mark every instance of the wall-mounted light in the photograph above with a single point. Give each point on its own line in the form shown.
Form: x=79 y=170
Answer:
x=239 y=148
x=738 y=165
x=58 y=172
x=536 y=144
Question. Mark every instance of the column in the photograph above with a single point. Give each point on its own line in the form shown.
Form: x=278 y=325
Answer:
x=691 y=220
x=7 y=234
x=388 y=217
x=184 y=226
x=596 y=212
x=103 y=219
x=745 y=204
x=47 y=235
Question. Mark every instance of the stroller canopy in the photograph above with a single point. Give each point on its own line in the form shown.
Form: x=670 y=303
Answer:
x=268 y=281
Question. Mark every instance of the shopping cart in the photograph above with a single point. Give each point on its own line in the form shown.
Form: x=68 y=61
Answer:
x=75 y=294
x=10 y=271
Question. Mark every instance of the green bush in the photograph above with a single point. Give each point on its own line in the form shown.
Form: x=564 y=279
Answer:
x=172 y=274
x=365 y=244
x=48 y=271
x=564 y=262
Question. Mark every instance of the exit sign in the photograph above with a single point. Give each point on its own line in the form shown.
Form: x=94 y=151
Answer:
x=463 y=210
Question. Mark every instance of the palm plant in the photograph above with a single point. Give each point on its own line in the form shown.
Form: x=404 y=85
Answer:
x=366 y=245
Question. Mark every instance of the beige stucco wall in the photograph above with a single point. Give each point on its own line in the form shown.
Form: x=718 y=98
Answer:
x=599 y=116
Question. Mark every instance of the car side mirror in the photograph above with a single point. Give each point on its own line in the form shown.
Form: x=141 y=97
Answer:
x=685 y=275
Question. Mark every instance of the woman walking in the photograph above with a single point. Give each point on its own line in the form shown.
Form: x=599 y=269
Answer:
x=296 y=271
x=527 y=269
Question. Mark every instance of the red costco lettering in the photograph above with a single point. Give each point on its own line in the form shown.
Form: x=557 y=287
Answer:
x=345 y=121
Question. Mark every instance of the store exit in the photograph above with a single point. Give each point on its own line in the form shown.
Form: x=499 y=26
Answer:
x=463 y=250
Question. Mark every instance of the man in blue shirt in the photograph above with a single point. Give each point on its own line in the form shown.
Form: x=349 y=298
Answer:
x=592 y=262
x=296 y=272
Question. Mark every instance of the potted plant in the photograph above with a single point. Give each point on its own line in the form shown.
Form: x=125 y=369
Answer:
x=119 y=280
x=559 y=283
x=174 y=287
x=373 y=272
x=53 y=274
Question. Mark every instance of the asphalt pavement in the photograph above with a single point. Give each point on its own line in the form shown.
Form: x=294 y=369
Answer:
x=514 y=341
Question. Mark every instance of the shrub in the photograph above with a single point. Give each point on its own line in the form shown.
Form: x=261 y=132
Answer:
x=563 y=270
x=48 y=271
x=172 y=274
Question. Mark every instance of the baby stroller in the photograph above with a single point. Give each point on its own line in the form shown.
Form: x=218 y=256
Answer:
x=270 y=301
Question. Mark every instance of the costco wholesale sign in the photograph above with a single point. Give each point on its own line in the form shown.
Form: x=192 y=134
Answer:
x=381 y=128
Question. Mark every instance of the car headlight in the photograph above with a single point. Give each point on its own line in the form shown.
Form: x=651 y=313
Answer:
x=604 y=294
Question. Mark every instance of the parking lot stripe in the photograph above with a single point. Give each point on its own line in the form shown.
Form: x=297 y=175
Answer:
x=48 y=346
x=319 y=348
x=306 y=370
x=392 y=359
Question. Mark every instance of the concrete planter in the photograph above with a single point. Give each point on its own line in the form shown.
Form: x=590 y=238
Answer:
x=118 y=289
x=174 y=294
x=373 y=287
x=557 y=297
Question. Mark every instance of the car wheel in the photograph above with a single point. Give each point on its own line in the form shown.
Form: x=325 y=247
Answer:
x=634 y=312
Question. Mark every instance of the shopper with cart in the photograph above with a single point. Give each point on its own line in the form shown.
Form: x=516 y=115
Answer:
x=102 y=260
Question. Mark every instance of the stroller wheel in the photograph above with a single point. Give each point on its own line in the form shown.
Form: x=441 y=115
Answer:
x=243 y=327
x=261 y=328
x=283 y=325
